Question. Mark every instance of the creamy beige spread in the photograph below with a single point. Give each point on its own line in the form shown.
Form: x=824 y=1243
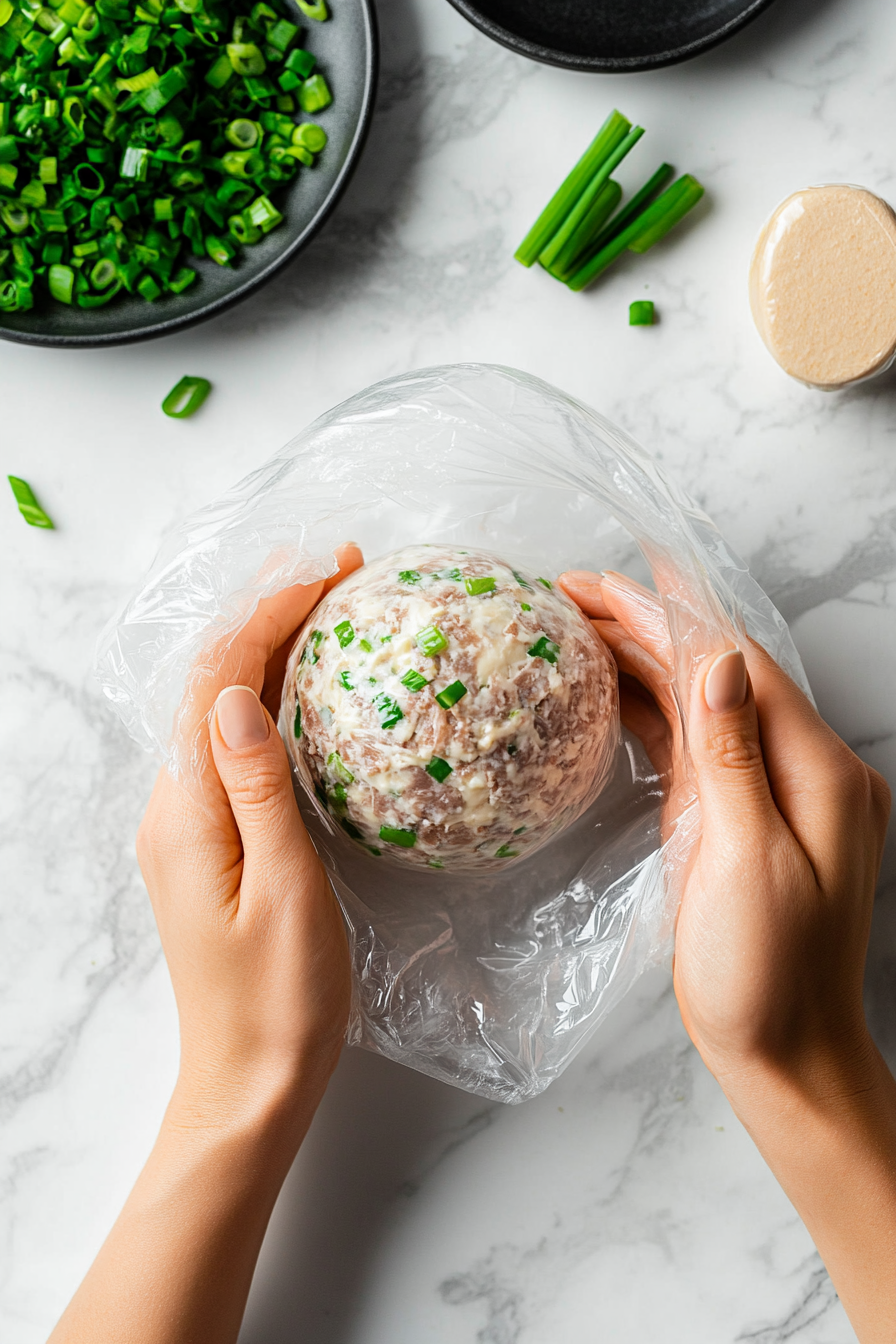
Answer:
x=450 y=711
x=823 y=285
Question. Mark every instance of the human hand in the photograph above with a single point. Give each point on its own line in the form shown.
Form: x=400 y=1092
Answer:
x=251 y=930
x=773 y=928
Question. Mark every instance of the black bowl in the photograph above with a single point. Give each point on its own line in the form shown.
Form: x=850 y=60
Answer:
x=613 y=35
x=346 y=48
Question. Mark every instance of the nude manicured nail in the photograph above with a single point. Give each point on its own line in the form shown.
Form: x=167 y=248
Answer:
x=241 y=720
x=725 y=687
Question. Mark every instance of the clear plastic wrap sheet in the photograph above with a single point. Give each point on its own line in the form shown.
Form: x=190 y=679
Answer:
x=491 y=983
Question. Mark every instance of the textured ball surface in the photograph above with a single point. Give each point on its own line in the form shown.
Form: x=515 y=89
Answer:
x=449 y=711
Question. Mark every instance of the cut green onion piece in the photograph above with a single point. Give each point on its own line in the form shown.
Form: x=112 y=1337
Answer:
x=641 y=313
x=477 y=586
x=221 y=250
x=344 y=633
x=103 y=273
x=148 y=288
x=263 y=214
x=413 y=680
x=297 y=721
x=524 y=606
x=431 y=641
x=300 y=63
x=345 y=680
x=451 y=694
x=545 y=648
x=246 y=58
x=366 y=645
x=29 y=508
x=580 y=243
x=409 y=576
x=505 y=852
x=545 y=583
x=186 y=397
x=394 y=835
x=314 y=9
x=242 y=133
x=609 y=137
x=339 y=768
x=523 y=583
x=439 y=769
x=61 y=282
x=389 y=710
x=315 y=95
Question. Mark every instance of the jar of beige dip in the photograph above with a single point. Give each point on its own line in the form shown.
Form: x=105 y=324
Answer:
x=823 y=285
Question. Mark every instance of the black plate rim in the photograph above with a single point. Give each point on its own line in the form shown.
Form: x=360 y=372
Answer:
x=607 y=64
x=169 y=325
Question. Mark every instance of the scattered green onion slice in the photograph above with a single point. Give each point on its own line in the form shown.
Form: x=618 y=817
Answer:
x=345 y=633
x=477 y=586
x=451 y=694
x=413 y=680
x=545 y=648
x=439 y=769
x=29 y=508
x=431 y=641
x=505 y=852
x=641 y=313
x=389 y=710
x=186 y=397
x=409 y=576
x=545 y=583
x=366 y=645
x=339 y=768
x=523 y=583
x=396 y=835
x=524 y=606
x=297 y=722
x=345 y=679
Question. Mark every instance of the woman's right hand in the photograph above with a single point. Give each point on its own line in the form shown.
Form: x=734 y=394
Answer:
x=773 y=929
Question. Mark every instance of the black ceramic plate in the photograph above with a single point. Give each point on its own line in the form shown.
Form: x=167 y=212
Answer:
x=346 y=48
x=610 y=34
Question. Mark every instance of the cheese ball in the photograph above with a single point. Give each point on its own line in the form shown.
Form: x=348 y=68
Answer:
x=449 y=711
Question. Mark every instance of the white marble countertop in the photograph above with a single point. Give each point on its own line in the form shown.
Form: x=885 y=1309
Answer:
x=626 y=1204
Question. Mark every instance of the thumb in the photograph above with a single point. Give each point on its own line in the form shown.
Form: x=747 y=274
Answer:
x=725 y=746
x=251 y=762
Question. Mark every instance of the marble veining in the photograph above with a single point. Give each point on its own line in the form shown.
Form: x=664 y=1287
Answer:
x=626 y=1204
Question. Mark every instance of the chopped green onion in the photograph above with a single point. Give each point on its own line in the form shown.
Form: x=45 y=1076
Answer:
x=578 y=245
x=439 y=769
x=451 y=694
x=344 y=632
x=61 y=282
x=635 y=206
x=394 y=835
x=29 y=508
x=545 y=583
x=519 y=830
x=409 y=576
x=365 y=645
x=186 y=397
x=345 y=680
x=641 y=313
x=505 y=852
x=300 y=63
x=314 y=9
x=389 y=710
x=339 y=768
x=645 y=230
x=523 y=583
x=148 y=288
x=524 y=606
x=477 y=586
x=545 y=648
x=567 y=230
x=314 y=94
x=297 y=722
x=431 y=641
x=413 y=680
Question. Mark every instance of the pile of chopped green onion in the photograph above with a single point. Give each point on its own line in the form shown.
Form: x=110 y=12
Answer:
x=578 y=235
x=137 y=133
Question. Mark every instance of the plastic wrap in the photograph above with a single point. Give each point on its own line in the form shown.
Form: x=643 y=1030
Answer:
x=489 y=982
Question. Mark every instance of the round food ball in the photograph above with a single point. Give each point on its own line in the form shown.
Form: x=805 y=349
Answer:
x=449 y=711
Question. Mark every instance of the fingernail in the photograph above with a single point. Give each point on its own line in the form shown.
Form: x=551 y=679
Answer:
x=241 y=720
x=725 y=687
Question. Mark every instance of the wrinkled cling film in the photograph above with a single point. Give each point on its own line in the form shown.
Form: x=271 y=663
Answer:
x=492 y=982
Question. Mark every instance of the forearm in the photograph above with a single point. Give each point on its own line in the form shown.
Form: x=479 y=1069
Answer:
x=829 y=1136
x=177 y=1266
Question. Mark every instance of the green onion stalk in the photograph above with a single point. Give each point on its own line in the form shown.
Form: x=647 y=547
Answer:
x=136 y=139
